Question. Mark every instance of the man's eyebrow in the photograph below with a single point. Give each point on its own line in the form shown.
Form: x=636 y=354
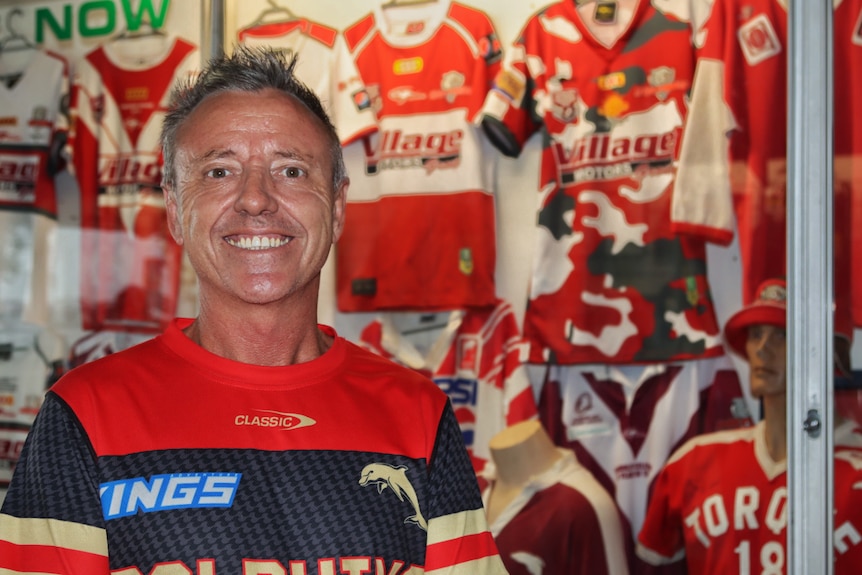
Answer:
x=216 y=154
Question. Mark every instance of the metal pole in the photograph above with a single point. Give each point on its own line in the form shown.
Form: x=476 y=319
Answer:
x=810 y=321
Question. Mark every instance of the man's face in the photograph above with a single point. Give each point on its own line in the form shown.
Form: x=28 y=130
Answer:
x=766 y=348
x=253 y=203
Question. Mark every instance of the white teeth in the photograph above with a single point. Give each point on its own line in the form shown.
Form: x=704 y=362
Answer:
x=257 y=242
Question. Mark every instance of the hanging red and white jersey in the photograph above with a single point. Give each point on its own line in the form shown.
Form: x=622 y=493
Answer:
x=847 y=32
x=606 y=84
x=325 y=65
x=420 y=231
x=623 y=422
x=477 y=359
x=34 y=92
x=740 y=181
x=721 y=503
x=130 y=264
x=563 y=522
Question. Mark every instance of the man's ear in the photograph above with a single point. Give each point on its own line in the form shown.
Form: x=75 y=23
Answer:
x=172 y=210
x=339 y=202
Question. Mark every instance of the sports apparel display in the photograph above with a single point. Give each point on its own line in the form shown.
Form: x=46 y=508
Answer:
x=732 y=173
x=421 y=187
x=325 y=65
x=623 y=422
x=34 y=91
x=606 y=84
x=130 y=264
x=721 y=503
x=478 y=360
x=562 y=523
x=167 y=457
x=31 y=359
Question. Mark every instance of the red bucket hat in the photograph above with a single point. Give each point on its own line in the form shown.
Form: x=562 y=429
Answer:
x=769 y=307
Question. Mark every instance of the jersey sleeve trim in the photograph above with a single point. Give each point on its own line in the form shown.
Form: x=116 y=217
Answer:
x=656 y=559
x=60 y=546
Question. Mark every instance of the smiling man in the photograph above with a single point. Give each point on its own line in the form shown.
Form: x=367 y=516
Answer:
x=240 y=441
x=720 y=503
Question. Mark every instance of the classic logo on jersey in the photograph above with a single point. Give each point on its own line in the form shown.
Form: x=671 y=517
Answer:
x=396 y=149
x=169 y=491
x=758 y=40
x=394 y=478
x=273 y=420
x=406 y=66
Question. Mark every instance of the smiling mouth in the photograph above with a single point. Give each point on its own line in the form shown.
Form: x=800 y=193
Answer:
x=257 y=242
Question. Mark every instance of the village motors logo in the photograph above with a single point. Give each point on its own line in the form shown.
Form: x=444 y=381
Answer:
x=273 y=420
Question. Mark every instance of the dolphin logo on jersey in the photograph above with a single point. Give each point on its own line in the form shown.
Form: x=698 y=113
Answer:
x=395 y=478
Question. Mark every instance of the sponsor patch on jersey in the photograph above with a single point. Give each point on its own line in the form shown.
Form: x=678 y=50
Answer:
x=361 y=99
x=605 y=13
x=612 y=81
x=408 y=66
x=465 y=261
x=510 y=84
x=758 y=40
x=564 y=105
x=169 y=491
x=468 y=355
x=364 y=286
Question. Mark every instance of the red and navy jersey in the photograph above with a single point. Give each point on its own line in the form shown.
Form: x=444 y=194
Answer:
x=165 y=456
x=478 y=360
x=130 y=265
x=34 y=93
x=563 y=522
x=428 y=172
x=721 y=503
x=606 y=84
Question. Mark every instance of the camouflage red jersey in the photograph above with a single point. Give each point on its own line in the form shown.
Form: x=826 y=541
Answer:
x=165 y=458
x=606 y=85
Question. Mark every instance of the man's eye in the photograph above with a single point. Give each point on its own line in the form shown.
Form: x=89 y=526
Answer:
x=294 y=172
x=218 y=173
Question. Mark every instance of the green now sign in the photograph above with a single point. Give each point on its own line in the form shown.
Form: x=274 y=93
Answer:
x=63 y=24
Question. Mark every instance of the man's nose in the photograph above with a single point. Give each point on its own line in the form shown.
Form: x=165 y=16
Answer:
x=257 y=192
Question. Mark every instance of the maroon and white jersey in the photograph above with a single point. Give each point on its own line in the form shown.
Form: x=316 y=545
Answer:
x=478 y=360
x=721 y=503
x=130 y=264
x=606 y=84
x=740 y=181
x=325 y=65
x=33 y=106
x=623 y=422
x=562 y=523
x=420 y=231
x=847 y=31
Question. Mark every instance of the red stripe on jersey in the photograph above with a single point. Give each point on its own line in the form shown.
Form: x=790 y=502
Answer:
x=460 y=550
x=49 y=559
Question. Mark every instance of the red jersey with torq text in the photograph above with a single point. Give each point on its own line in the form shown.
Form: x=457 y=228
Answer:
x=420 y=231
x=606 y=83
x=721 y=502
x=130 y=264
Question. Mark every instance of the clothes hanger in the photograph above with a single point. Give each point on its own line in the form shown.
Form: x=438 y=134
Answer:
x=145 y=30
x=285 y=15
x=15 y=41
x=394 y=3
